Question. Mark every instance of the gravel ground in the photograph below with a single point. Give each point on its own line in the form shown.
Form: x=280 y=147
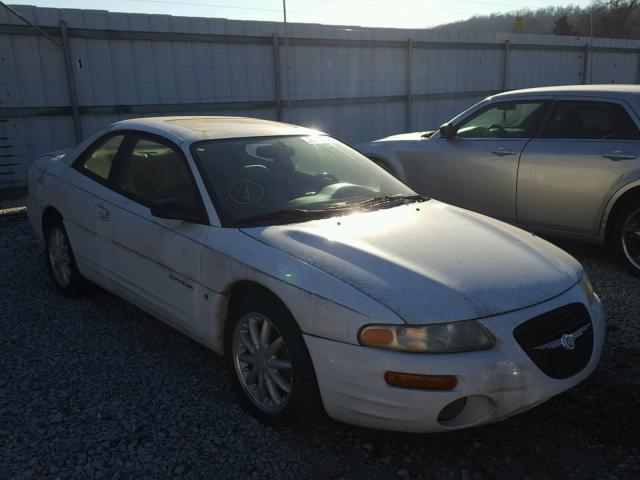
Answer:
x=96 y=388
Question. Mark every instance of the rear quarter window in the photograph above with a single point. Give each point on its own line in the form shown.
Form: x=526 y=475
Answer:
x=591 y=120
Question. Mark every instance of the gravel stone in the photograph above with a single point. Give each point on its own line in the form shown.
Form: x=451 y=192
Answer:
x=94 y=387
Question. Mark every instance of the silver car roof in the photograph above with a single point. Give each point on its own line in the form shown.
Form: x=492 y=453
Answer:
x=606 y=90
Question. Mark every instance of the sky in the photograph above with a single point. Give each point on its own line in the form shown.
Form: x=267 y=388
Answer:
x=366 y=13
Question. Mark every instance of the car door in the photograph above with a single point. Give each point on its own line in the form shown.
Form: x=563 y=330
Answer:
x=152 y=261
x=567 y=175
x=477 y=168
x=88 y=184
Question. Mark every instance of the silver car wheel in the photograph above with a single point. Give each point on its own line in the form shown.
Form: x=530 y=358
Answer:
x=631 y=238
x=59 y=256
x=262 y=363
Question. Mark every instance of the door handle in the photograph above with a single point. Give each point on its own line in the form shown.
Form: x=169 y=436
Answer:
x=617 y=155
x=103 y=213
x=502 y=152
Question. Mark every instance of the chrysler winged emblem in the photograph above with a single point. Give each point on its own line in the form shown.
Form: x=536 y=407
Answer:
x=566 y=341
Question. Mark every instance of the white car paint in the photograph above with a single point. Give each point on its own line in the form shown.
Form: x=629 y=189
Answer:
x=501 y=382
x=418 y=264
x=418 y=247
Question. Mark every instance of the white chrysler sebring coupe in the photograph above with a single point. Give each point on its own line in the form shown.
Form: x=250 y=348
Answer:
x=324 y=281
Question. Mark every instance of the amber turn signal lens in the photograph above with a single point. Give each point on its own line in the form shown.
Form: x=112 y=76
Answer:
x=421 y=382
x=377 y=337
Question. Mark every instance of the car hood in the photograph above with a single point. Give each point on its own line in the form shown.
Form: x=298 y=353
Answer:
x=430 y=262
x=406 y=136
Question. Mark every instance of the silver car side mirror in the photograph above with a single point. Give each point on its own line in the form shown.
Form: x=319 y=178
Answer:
x=448 y=131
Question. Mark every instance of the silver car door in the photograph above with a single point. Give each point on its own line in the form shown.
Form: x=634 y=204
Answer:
x=477 y=169
x=567 y=176
x=152 y=261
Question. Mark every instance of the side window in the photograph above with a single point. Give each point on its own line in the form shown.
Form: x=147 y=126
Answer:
x=151 y=171
x=99 y=161
x=503 y=120
x=591 y=120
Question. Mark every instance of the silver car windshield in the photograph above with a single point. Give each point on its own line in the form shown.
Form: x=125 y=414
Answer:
x=270 y=180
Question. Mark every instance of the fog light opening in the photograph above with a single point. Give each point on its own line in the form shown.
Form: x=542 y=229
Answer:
x=452 y=410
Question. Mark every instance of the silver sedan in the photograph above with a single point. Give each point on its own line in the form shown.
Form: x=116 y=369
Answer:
x=562 y=161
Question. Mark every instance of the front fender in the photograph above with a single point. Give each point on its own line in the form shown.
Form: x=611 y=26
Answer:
x=323 y=305
x=387 y=152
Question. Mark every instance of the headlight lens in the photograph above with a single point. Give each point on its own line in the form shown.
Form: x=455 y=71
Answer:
x=587 y=288
x=463 y=336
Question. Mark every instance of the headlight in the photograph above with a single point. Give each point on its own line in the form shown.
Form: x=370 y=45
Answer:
x=463 y=336
x=587 y=288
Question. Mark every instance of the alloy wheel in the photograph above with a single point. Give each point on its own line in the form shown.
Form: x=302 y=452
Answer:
x=631 y=238
x=262 y=362
x=60 y=256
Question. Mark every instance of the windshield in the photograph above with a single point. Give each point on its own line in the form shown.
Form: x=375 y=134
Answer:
x=273 y=179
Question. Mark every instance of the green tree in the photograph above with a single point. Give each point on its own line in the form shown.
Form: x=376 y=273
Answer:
x=562 y=26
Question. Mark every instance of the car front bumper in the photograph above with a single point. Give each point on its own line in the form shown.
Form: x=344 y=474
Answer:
x=497 y=383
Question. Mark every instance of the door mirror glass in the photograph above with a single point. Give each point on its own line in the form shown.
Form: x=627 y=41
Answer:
x=448 y=131
x=176 y=209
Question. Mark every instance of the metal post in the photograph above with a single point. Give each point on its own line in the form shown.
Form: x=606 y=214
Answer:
x=276 y=75
x=286 y=61
x=585 y=64
x=505 y=66
x=71 y=83
x=409 y=84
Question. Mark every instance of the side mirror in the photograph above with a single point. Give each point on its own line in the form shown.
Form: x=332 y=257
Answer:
x=176 y=209
x=448 y=131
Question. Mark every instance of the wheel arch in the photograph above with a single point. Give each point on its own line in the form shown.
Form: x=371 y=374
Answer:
x=49 y=213
x=631 y=191
x=389 y=160
x=238 y=289
x=383 y=162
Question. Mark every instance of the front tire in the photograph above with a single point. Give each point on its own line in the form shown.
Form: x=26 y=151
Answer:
x=626 y=236
x=268 y=362
x=61 y=261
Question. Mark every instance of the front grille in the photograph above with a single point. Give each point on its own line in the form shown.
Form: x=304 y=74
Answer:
x=548 y=339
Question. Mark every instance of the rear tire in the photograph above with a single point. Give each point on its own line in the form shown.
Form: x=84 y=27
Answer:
x=268 y=362
x=60 y=259
x=626 y=235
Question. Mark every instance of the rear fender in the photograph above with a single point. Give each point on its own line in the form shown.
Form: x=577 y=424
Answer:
x=634 y=183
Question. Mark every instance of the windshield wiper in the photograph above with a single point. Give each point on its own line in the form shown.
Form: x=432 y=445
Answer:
x=384 y=199
x=299 y=214
x=284 y=216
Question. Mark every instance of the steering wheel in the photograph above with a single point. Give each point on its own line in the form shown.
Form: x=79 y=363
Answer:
x=253 y=185
x=329 y=176
x=345 y=190
x=497 y=127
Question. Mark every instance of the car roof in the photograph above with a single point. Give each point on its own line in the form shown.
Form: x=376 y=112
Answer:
x=608 y=90
x=197 y=128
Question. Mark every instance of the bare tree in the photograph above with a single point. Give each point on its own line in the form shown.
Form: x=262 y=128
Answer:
x=613 y=18
x=604 y=18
